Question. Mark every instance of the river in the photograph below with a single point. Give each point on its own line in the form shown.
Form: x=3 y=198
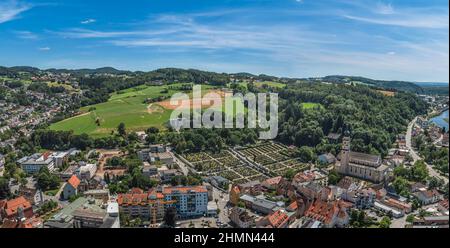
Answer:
x=441 y=120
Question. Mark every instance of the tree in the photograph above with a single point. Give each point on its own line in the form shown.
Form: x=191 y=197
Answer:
x=419 y=172
x=334 y=177
x=306 y=154
x=401 y=186
x=47 y=180
x=4 y=188
x=121 y=129
x=385 y=222
x=170 y=217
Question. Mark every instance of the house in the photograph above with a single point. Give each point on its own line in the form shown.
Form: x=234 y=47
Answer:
x=403 y=206
x=326 y=159
x=70 y=187
x=168 y=175
x=273 y=184
x=219 y=182
x=149 y=170
x=443 y=207
x=334 y=138
x=279 y=219
x=100 y=194
x=86 y=171
x=396 y=213
x=260 y=204
x=241 y=219
x=427 y=197
x=18 y=208
x=252 y=188
x=330 y=214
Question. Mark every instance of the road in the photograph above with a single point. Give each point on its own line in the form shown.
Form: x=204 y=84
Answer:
x=222 y=204
x=416 y=156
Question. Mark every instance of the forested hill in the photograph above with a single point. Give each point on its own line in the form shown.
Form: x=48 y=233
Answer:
x=169 y=75
x=392 y=85
x=373 y=119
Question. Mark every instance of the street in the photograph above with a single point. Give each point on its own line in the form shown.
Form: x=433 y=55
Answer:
x=416 y=156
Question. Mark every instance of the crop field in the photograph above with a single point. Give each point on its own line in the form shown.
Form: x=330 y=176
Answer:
x=128 y=106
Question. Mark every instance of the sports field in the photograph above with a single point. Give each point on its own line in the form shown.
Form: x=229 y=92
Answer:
x=127 y=106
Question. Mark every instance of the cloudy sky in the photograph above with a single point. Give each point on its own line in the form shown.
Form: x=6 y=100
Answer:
x=398 y=39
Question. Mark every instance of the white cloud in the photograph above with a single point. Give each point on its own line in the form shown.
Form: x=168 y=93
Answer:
x=421 y=21
x=44 y=49
x=26 y=35
x=11 y=9
x=88 y=21
x=384 y=9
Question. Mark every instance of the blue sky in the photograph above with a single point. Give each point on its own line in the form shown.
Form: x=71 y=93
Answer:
x=401 y=39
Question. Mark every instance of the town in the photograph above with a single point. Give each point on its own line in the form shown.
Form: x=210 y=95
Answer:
x=145 y=183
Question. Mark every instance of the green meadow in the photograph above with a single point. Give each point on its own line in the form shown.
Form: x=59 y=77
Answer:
x=127 y=106
x=311 y=105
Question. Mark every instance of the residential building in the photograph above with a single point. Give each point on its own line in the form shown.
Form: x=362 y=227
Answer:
x=142 y=205
x=241 y=218
x=396 y=213
x=427 y=197
x=18 y=208
x=260 y=204
x=330 y=214
x=34 y=163
x=326 y=159
x=279 y=219
x=86 y=171
x=189 y=201
x=70 y=188
x=219 y=182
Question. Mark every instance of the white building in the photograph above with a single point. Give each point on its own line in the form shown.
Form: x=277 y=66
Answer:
x=190 y=201
x=35 y=162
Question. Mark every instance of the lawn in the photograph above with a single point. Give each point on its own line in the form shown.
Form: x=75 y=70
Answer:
x=271 y=84
x=311 y=105
x=125 y=106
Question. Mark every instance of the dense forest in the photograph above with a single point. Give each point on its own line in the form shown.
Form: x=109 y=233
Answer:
x=373 y=120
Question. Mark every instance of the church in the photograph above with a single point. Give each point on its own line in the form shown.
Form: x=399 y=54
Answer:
x=360 y=165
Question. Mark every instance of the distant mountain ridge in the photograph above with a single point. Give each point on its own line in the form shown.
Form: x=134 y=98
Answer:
x=185 y=74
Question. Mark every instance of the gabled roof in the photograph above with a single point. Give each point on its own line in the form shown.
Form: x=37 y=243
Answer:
x=11 y=206
x=74 y=181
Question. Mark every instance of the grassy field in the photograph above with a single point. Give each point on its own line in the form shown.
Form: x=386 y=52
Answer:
x=260 y=84
x=311 y=105
x=126 y=106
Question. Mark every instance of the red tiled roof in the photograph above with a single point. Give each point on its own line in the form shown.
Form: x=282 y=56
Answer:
x=171 y=190
x=444 y=204
x=274 y=181
x=11 y=206
x=136 y=191
x=322 y=211
x=74 y=181
x=138 y=198
x=293 y=206
x=278 y=219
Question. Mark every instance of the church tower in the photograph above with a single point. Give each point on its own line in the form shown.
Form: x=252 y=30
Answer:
x=345 y=153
